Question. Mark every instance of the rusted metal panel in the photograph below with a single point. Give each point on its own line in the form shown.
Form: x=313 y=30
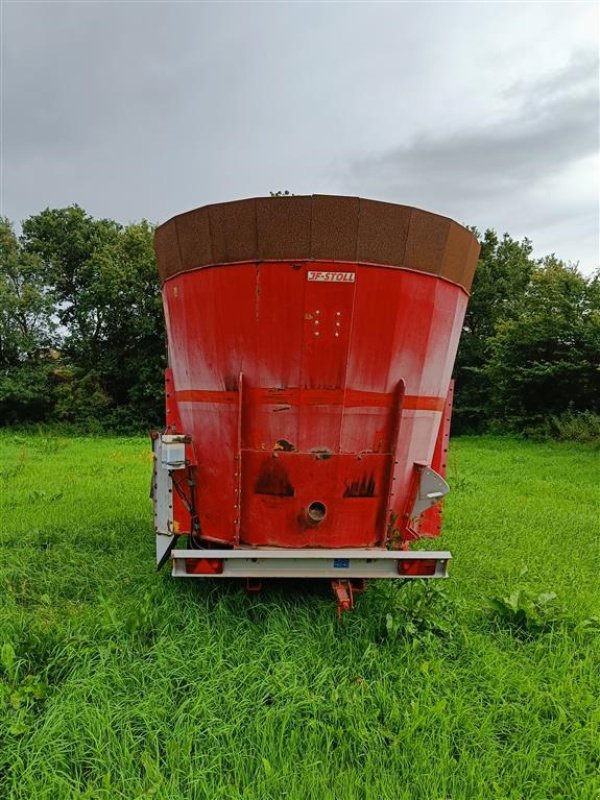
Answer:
x=456 y=253
x=426 y=242
x=334 y=227
x=166 y=246
x=284 y=225
x=319 y=227
x=193 y=232
x=382 y=233
x=233 y=232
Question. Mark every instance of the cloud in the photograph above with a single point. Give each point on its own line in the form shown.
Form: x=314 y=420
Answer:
x=554 y=125
x=145 y=109
x=72 y=74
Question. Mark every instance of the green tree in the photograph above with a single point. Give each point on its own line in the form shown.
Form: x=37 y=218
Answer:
x=502 y=276
x=105 y=283
x=132 y=357
x=545 y=360
x=71 y=245
x=27 y=332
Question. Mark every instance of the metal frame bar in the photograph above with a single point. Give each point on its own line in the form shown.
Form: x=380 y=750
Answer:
x=311 y=563
x=237 y=462
x=396 y=410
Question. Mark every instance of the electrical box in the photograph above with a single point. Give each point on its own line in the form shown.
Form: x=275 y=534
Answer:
x=172 y=452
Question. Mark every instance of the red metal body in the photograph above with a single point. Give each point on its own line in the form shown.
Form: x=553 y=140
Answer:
x=309 y=390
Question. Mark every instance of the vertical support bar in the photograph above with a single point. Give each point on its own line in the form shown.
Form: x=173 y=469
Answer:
x=172 y=422
x=237 y=464
x=394 y=435
x=344 y=595
x=439 y=461
x=162 y=498
x=430 y=523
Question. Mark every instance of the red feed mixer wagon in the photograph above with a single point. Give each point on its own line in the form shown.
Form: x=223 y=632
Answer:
x=308 y=394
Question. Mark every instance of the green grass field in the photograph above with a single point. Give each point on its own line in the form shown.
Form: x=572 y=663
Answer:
x=117 y=682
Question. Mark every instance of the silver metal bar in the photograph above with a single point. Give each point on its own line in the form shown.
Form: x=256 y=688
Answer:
x=333 y=552
x=313 y=563
x=163 y=503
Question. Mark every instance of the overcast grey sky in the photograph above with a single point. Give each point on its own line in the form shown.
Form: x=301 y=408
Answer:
x=486 y=112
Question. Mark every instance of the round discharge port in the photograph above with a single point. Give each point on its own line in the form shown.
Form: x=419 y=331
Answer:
x=317 y=512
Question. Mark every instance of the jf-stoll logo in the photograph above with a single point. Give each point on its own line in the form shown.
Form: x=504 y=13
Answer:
x=331 y=277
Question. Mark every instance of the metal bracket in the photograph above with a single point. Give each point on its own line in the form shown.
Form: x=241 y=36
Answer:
x=431 y=488
x=237 y=463
x=172 y=451
x=169 y=456
x=344 y=596
x=344 y=590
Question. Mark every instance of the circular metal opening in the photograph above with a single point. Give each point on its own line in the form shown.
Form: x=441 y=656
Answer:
x=317 y=511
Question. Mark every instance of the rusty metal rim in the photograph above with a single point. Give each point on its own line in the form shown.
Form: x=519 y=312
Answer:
x=317 y=228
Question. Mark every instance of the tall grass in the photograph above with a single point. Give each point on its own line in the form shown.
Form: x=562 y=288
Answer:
x=582 y=426
x=117 y=682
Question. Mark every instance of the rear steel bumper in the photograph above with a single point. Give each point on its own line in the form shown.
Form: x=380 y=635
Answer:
x=313 y=563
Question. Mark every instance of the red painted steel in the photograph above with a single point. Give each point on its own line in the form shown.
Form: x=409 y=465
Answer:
x=298 y=391
x=344 y=595
x=430 y=522
x=417 y=567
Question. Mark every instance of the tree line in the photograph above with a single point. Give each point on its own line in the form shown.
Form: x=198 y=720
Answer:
x=82 y=339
